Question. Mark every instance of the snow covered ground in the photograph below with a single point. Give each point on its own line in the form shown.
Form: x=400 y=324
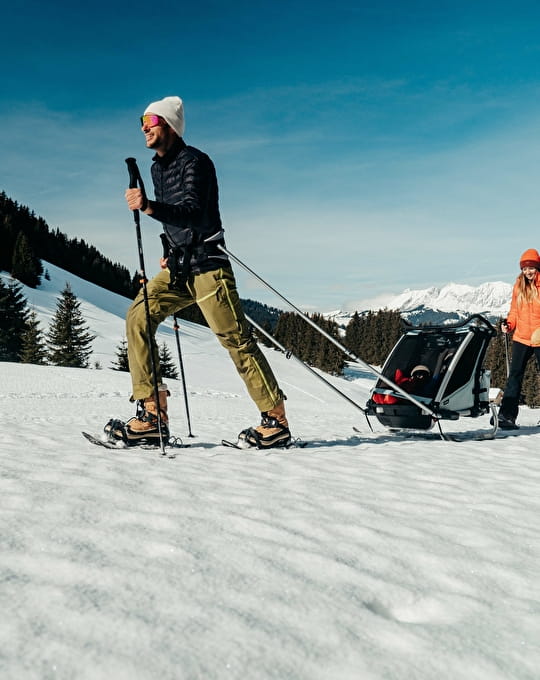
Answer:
x=363 y=556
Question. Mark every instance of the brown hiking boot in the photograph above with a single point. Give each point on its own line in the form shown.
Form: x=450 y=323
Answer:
x=273 y=430
x=145 y=423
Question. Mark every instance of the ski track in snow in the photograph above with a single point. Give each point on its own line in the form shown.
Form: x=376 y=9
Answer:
x=364 y=556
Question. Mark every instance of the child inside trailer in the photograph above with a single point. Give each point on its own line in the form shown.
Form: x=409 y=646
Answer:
x=418 y=383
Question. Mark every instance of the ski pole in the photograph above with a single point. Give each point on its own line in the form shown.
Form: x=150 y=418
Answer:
x=289 y=354
x=181 y=362
x=350 y=354
x=134 y=179
x=506 y=344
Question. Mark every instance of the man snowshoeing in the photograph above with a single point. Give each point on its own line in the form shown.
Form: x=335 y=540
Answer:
x=194 y=271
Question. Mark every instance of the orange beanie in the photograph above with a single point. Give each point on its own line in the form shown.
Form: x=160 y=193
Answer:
x=530 y=258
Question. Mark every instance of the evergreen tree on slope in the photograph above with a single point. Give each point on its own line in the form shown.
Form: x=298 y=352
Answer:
x=13 y=319
x=168 y=368
x=33 y=349
x=121 y=363
x=69 y=340
x=25 y=265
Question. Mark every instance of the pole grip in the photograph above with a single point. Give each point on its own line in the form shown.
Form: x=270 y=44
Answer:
x=133 y=172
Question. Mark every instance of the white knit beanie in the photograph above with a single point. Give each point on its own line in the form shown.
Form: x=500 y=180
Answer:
x=172 y=110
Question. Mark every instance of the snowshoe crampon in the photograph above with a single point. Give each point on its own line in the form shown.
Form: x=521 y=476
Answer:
x=118 y=432
x=271 y=435
x=117 y=435
x=273 y=432
x=241 y=444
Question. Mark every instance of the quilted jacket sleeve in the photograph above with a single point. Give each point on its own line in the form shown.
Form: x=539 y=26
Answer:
x=183 y=192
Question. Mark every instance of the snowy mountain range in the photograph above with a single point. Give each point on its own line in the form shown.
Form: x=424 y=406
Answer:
x=448 y=304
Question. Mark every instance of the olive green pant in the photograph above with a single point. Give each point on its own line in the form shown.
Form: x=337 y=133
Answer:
x=216 y=295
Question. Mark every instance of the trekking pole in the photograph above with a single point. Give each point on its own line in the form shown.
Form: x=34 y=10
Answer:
x=506 y=352
x=181 y=362
x=134 y=179
x=335 y=342
x=289 y=354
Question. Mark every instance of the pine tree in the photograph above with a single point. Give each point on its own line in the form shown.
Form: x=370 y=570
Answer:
x=391 y=330
x=168 y=367
x=8 y=235
x=33 y=350
x=13 y=319
x=135 y=284
x=121 y=363
x=25 y=266
x=69 y=340
x=285 y=331
x=353 y=335
x=330 y=358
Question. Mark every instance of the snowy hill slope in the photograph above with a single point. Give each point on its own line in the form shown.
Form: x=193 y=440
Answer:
x=361 y=556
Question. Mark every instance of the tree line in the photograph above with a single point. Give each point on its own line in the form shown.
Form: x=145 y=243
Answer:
x=369 y=336
x=27 y=239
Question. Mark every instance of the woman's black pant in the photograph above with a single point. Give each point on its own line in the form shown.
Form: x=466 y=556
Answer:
x=520 y=356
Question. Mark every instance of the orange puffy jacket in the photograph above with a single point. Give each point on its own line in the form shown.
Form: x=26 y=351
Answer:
x=524 y=318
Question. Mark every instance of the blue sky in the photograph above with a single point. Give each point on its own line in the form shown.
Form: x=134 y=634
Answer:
x=362 y=148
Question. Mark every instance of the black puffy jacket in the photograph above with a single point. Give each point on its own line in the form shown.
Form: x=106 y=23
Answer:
x=186 y=192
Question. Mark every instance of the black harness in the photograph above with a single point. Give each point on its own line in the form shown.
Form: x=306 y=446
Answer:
x=180 y=258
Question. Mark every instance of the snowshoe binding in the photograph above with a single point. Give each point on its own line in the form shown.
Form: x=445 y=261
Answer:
x=143 y=428
x=273 y=432
x=118 y=431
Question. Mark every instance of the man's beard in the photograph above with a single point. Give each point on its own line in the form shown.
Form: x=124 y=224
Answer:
x=161 y=143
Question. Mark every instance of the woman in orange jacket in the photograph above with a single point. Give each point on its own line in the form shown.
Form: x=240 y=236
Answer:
x=524 y=320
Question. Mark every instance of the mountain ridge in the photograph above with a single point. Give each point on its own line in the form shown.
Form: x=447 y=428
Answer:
x=445 y=304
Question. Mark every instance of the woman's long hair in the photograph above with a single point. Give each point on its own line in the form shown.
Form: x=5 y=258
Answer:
x=527 y=290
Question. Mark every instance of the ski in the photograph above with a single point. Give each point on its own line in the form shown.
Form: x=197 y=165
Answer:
x=501 y=433
x=455 y=437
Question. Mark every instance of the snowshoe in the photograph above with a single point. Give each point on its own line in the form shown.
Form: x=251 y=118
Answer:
x=144 y=426
x=116 y=430
x=269 y=434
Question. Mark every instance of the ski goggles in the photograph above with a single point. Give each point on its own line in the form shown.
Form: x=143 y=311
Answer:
x=150 y=120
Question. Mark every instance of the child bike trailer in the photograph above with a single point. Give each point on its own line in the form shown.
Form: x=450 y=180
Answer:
x=453 y=383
